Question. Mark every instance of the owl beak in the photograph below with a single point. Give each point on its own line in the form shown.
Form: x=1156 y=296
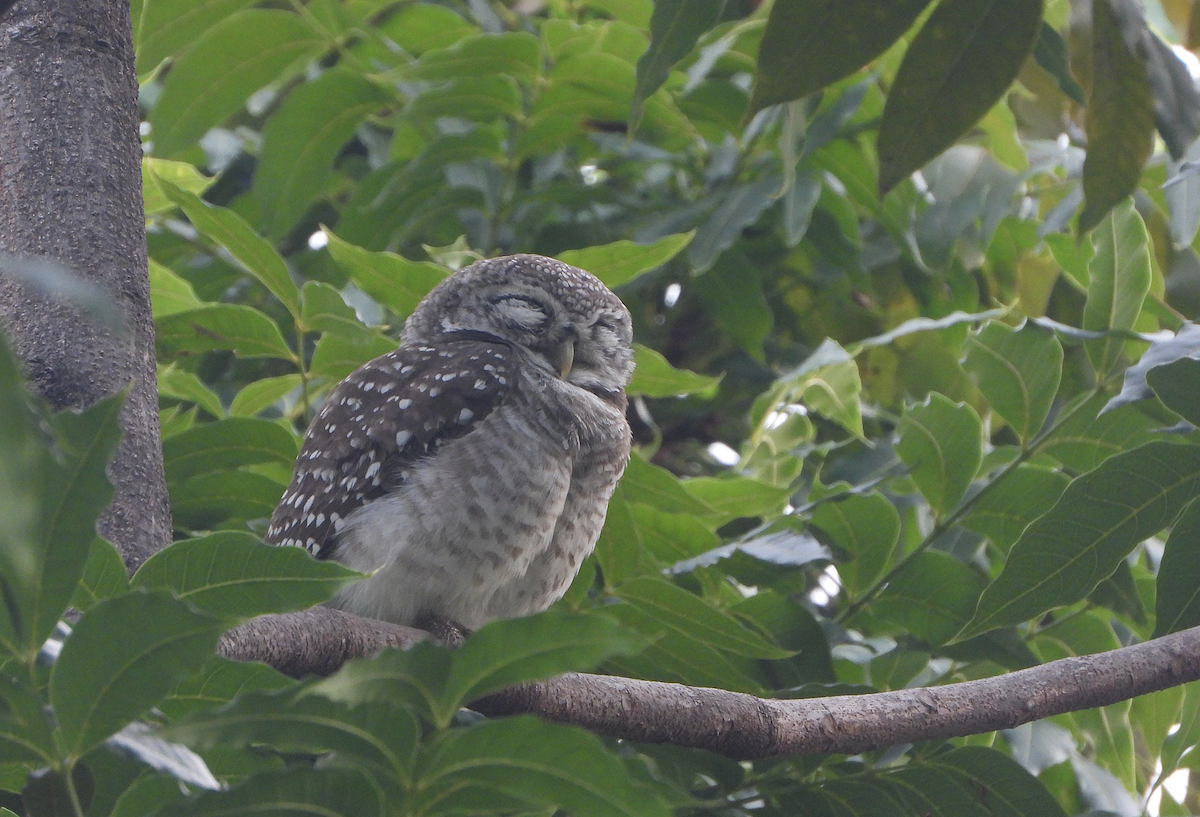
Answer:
x=563 y=356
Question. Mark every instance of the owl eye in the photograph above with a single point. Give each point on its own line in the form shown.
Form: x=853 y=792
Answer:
x=523 y=311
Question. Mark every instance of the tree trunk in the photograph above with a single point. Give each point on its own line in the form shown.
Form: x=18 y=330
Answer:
x=70 y=192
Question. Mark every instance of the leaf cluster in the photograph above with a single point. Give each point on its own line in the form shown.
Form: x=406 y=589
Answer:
x=883 y=441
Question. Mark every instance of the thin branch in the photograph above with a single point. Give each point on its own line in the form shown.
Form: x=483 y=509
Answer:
x=318 y=641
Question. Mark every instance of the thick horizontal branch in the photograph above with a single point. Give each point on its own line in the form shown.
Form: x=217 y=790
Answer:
x=743 y=726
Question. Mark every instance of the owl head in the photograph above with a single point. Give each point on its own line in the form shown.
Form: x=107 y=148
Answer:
x=563 y=317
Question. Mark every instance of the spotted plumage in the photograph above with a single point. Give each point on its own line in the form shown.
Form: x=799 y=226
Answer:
x=470 y=469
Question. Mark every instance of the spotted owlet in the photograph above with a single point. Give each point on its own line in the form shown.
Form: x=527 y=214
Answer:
x=471 y=467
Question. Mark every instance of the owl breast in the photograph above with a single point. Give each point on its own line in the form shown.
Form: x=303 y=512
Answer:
x=496 y=522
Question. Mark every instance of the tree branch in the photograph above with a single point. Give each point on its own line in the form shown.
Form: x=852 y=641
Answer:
x=318 y=641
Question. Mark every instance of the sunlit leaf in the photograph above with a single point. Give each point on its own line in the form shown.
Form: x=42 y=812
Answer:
x=940 y=442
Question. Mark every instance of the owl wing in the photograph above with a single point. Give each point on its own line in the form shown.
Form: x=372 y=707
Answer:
x=381 y=421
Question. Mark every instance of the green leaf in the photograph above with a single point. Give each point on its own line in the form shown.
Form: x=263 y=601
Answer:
x=867 y=528
x=260 y=395
x=674 y=608
x=675 y=26
x=1008 y=504
x=504 y=653
x=1177 y=383
x=1085 y=435
x=828 y=381
x=964 y=58
x=170 y=293
x=183 y=385
x=180 y=174
x=940 y=441
x=1177 y=595
x=218 y=682
x=537 y=763
x=932 y=597
x=648 y=484
x=1009 y=789
x=396 y=282
x=1099 y=519
x=809 y=44
x=65 y=489
x=515 y=54
x=167 y=27
x=733 y=497
x=480 y=98
x=104 y=576
x=336 y=356
x=325 y=310
x=1050 y=52
x=1119 y=282
x=227 y=63
x=254 y=253
x=124 y=654
x=622 y=261
x=301 y=790
x=1120 y=117
x=1017 y=371
x=653 y=376
x=1183 y=345
x=227 y=444
x=25 y=735
x=303 y=137
x=381 y=738
x=236 y=575
x=241 y=329
x=204 y=501
x=414 y=678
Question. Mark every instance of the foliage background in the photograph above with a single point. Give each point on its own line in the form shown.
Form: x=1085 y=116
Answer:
x=878 y=440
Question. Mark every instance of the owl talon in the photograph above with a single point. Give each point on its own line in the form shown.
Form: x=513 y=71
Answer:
x=450 y=633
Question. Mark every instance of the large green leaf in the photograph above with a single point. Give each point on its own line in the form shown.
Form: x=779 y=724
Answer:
x=932 y=597
x=1017 y=371
x=104 y=576
x=864 y=526
x=1177 y=383
x=228 y=63
x=301 y=790
x=672 y=608
x=622 y=261
x=181 y=174
x=537 y=763
x=1007 y=789
x=241 y=329
x=964 y=58
x=218 y=682
x=205 y=501
x=1120 y=115
x=225 y=444
x=499 y=655
x=303 y=137
x=236 y=575
x=52 y=489
x=122 y=657
x=166 y=27
x=1177 y=594
x=252 y=251
x=810 y=44
x=653 y=376
x=675 y=26
x=1099 y=519
x=1119 y=282
x=514 y=54
x=1006 y=505
x=394 y=281
x=940 y=442
x=1085 y=434
x=380 y=738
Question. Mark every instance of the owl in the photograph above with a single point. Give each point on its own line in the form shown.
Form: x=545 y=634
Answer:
x=469 y=470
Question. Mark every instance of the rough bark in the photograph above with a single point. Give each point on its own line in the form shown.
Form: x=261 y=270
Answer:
x=742 y=726
x=70 y=192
